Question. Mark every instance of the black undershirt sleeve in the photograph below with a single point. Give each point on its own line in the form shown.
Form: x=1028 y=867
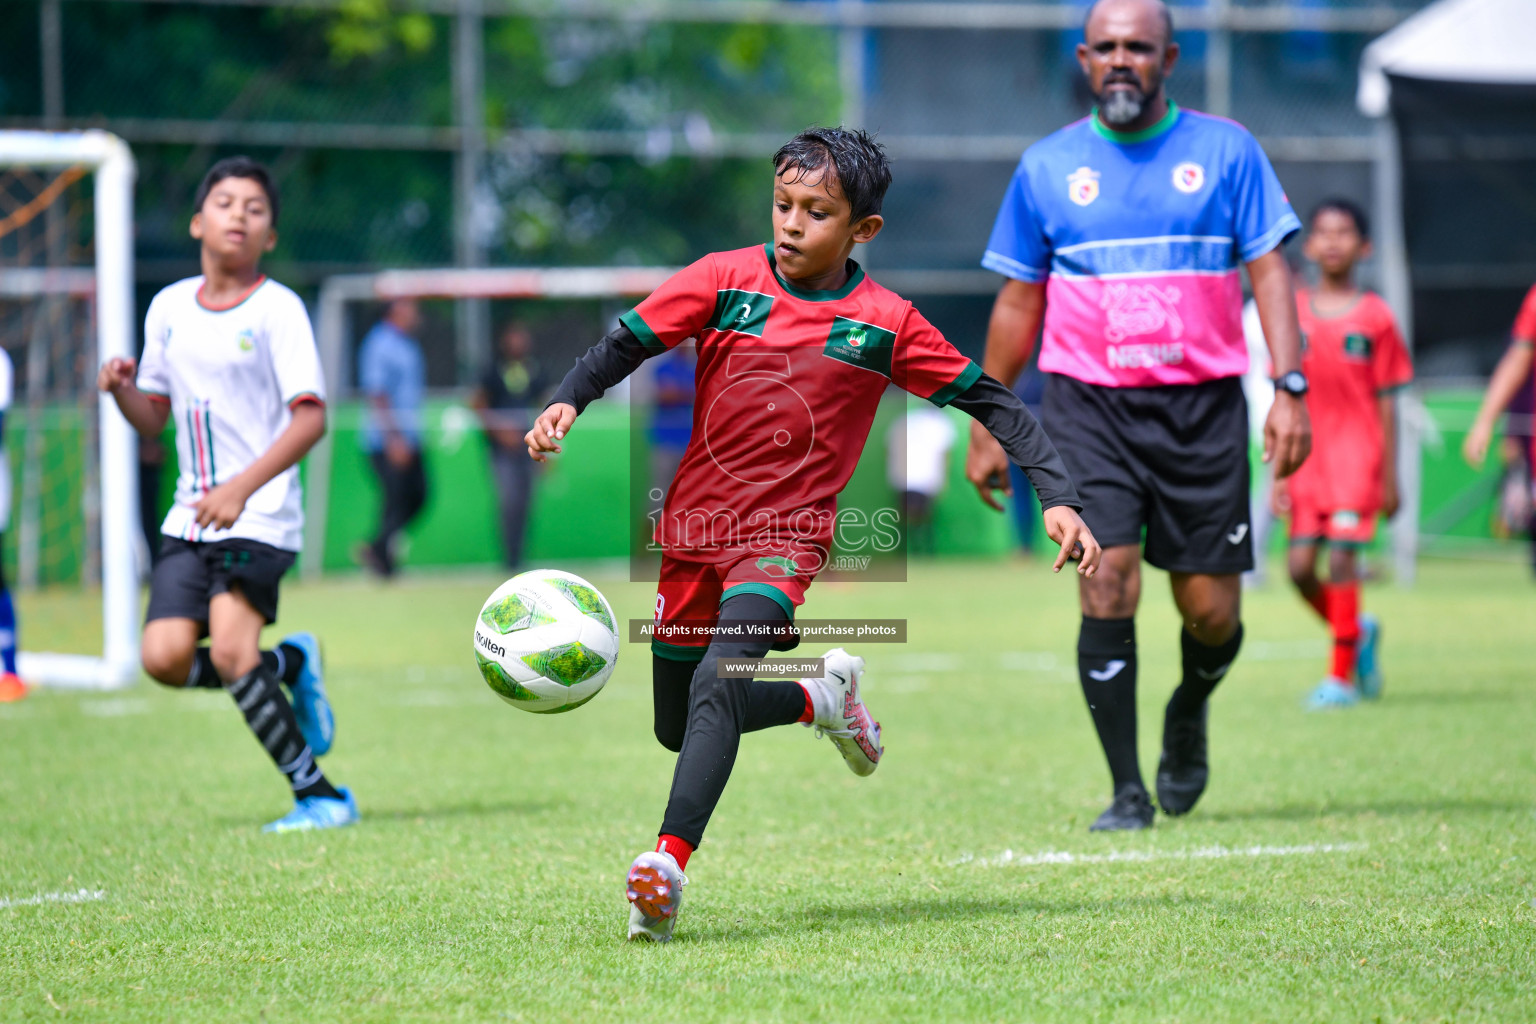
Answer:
x=615 y=357
x=1016 y=429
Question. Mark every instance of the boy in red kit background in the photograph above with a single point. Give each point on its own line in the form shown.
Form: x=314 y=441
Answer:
x=795 y=347
x=1355 y=362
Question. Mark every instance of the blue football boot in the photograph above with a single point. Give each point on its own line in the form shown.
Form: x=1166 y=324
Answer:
x=310 y=704
x=1368 y=660
x=1332 y=693
x=314 y=812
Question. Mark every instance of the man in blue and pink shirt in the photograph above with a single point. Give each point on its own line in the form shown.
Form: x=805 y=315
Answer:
x=1122 y=235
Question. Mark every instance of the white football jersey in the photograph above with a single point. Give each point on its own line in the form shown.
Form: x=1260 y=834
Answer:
x=232 y=376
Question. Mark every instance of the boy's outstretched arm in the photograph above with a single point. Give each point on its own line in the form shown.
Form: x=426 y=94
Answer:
x=145 y=414
x=612 y=359
x=1004 y=416
x=221 y=506
x=1513 y=371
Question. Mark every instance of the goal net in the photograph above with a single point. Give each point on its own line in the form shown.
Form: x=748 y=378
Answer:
x=69 y=497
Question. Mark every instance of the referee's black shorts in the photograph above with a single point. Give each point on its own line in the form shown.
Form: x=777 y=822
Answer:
x=1162 y=466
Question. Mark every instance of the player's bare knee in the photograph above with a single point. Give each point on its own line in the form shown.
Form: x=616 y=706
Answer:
x=166 y=663
x=1343 y=565
x=1111 y=593
x=166 y=670
x=1304 y=575
x=1213 y=624
x=232 y=660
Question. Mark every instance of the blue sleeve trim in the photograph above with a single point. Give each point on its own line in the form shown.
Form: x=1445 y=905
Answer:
x=997 y=262
x=1284 y=228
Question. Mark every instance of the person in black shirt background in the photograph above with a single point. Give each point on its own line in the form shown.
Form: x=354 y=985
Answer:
x=507 y=393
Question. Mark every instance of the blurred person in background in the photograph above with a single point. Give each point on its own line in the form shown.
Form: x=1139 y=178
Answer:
x=1510 y=378
x=1516 y=514
x=1355 y=359
x=917 y=467
x=11 y=686
x=509 y=389
x=671 y=417
x=392 y=373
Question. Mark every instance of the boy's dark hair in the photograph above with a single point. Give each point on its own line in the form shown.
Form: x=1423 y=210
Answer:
x=862 y=170
x=1349 y=208
x=238 y=167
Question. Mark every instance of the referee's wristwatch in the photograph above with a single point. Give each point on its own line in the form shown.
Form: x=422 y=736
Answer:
x=1293 y=383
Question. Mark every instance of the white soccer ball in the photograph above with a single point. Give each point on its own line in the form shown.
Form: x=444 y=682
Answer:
x=546 y=641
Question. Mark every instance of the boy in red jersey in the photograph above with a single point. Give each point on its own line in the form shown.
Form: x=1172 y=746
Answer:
x=1355 y=361
x=795 y=347
x=1512 y=374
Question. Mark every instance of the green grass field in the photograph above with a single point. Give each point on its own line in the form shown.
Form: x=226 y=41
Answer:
x=1368 y=865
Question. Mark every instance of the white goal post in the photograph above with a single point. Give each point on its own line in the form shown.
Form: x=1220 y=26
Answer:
x=111 y=162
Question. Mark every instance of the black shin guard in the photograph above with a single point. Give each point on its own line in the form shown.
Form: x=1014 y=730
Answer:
x=1204 y=668
x=719 y=711
x=1106 y=668
x=270 y=717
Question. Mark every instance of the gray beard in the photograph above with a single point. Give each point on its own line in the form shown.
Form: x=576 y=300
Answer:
x=1121 y=108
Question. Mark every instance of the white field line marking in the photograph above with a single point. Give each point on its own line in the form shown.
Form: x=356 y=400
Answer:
x=1283 y=650
x=118 y=707
x=1009 y=858
x=79 y=896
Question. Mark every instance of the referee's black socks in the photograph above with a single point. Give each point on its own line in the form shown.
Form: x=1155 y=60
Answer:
x=1204 y=668
x=1106 y=667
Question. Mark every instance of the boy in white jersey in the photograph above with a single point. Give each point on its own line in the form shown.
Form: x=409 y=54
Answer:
x=231 y=356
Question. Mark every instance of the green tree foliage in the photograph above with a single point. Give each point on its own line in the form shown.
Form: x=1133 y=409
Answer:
x=672 y=87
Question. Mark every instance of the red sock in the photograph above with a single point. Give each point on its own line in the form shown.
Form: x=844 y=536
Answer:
x=1343 y=603
x=809 y=714
x=679 y=849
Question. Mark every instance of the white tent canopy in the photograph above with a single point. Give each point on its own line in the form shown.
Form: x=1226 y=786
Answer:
x=1486 y=41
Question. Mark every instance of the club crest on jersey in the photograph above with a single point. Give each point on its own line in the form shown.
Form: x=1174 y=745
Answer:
x=857 y=336
x=1189 y=177
x=1357 y=345
x=246 y=340
x=1083 y=186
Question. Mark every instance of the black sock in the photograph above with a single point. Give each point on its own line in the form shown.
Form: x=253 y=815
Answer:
x=1204 y=667
x=285 y=661
x=1106 y=667
x=203 y=675
x=270 y=717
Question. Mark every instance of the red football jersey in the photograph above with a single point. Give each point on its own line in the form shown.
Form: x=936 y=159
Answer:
x=788 y=381
x=1350 y=360
x=1525 y=320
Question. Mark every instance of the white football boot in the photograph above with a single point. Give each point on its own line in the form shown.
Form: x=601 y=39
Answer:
x=841 y=715
x=655 y=894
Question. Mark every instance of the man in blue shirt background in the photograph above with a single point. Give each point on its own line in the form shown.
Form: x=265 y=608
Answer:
x=392 y=374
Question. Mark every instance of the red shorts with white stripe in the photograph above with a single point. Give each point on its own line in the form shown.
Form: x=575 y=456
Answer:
x=1313 y=524
x=689 y=596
